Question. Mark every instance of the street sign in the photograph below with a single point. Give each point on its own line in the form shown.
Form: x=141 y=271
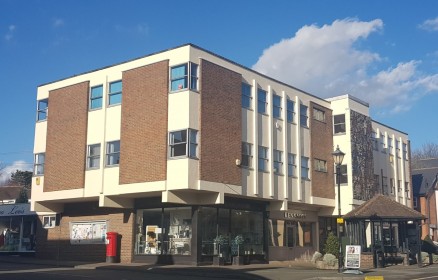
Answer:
x=340 y=220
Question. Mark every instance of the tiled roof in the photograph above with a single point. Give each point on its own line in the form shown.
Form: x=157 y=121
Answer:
x=11 y=192
x=383 y=207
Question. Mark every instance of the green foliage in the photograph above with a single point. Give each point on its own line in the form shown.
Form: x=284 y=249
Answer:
x=331 y=245
x=330 y=259
x=22 y=196
x=21 y=178
x=221 y=239
x=238 y=239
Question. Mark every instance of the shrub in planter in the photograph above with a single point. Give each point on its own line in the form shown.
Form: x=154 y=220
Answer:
x=331 y=245
x=330 y=259
x=317 y=256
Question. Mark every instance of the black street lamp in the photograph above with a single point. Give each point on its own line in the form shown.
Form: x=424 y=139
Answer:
x=338 y=157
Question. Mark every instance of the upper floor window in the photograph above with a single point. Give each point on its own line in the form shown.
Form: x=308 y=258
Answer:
x=263 y=158
x=343 y=175
x=49 y=221
x=374 y=140
x=43 y=105
x=246 y=155
x=96 y=97
x=290 y=111
x=183 y=143
x=246 y=96
x=385 y=185
x=391 y=147
x=113 y=153
x=408 y=193
x=38 y=168
x=291 y=165
x=405 y=151
x=261 y=101
x=93 y=156
x=397 y=147
x=115 y=93
x=382 y=142
x=278 y=161
x=305 y=167
x=339 y=123
x=276 y=110
x=184 y=76
x=303 y=115
x=392 y=185
x=318 y=115
x=320 y=165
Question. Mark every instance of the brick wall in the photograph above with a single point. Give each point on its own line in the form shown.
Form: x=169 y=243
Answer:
x=54 y=243
x=221 y=124
x=66 y=138
x=366 y=260
x=321 y=147
x=143 y=137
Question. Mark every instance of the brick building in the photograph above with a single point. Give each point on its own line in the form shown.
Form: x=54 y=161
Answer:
x=183 y=150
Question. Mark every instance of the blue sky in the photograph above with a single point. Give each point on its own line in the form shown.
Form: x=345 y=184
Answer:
x=384 y=52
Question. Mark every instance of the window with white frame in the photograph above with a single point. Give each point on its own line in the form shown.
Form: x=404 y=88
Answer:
x=397 y=148
x=113 y=153
x=339 y=124
x=263 y=158
x=246 y=96
x=291 y=165
x=374 y=140
x=391 y=148
x=93 y=157
x=184 y=76
x=96 y=95
x=305 y=167
x=183 y=143
x=318 y=115
x=246 y=160
x=115 y=93
x=42 y=107
x=304 y=115
x=49 y=221
x=408 y=193
x=290 y=111
x=385 y=185
x=276 y=109
x=343 y=175
x=382 y=142
x=278 y=161
x=39 y=161
x=392 y=185
x=405 y=151
x=262 y=104
x=320 y=165
x=399 y=186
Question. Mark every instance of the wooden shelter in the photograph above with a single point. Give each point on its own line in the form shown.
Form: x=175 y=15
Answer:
x=387 y=229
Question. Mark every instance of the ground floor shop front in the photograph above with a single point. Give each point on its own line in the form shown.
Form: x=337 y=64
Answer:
x=154 y=232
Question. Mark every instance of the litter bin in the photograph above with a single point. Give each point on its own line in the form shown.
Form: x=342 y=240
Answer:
x=111 y=247
x=380 y=259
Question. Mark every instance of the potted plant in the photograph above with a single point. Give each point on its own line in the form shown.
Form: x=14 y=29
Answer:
x=238 y=240
x=219 y=241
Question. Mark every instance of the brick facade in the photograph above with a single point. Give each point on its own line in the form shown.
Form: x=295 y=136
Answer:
x=66 y=138
x=221 y=124
x=321 y=147
x=143 y=139
x=54 y=243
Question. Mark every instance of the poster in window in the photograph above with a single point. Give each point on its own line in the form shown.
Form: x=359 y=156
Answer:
x=88 y=232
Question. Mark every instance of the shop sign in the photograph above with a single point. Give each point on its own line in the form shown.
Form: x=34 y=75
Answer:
x=294 y=215
x=15 y=210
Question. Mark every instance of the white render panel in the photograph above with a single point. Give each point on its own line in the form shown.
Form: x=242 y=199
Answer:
x=93 y=181
x=179 y=111
x=113 y=123
x=182 y=173
x=40 y=137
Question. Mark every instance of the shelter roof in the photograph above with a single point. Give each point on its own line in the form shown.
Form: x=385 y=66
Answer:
x=383 y=207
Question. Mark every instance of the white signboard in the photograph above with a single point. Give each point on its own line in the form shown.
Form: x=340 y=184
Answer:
x=352 y=256
x=88 y=232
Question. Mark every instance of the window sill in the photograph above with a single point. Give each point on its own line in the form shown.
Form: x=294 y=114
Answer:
x=42 y=120
x=94 y=168
x=112 y=165
x=114 y=105
x=94 y=109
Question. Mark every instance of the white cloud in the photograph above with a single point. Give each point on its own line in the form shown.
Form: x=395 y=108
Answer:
x=10 y=34
x=430 y=24
x=325 y=61
x=5 y=173
x=58 y=22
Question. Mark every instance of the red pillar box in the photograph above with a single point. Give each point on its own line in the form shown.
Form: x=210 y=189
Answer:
x=111 y=247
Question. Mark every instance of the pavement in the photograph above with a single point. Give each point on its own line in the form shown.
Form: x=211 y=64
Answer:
x=273 y=270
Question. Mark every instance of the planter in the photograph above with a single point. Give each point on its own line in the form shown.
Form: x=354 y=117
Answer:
x=218 y=260
x=238 y=260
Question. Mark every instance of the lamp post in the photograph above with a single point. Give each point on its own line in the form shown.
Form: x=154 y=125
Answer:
x=338 y=157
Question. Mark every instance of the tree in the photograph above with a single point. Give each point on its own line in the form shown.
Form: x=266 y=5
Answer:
x=22 y=196
x=21 y=178
x=427 y=151
x=331 y=245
